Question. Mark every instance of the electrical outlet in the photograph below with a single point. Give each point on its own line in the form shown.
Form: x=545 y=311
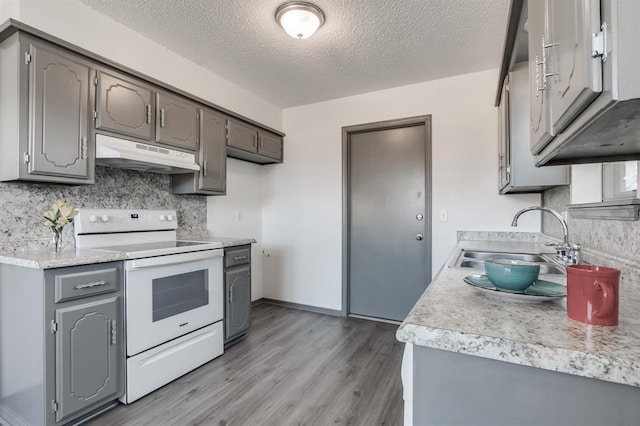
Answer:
x=444 y=215
x=238 y=216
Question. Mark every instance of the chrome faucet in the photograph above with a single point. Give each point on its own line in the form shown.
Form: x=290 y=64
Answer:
x=566 y=252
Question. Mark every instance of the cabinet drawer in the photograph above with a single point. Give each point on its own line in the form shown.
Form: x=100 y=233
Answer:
x=87 y=283
x=237 y=256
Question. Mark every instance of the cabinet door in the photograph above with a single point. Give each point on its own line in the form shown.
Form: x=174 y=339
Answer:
x=270 y=145
x=242 y=136
x=238 y=301
x=59 y=114
x=87 y=355
x=541 y=130
x=123 y=107
x=213 y=152
x=575 y=76
x=504 y=151
x=176 y=121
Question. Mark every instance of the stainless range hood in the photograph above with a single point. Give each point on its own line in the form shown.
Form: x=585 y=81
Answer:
x=125 y=154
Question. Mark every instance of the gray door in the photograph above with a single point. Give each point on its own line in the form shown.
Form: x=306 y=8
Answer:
x=123 y=107
x=575 y=76
x=238 y=301
x=176 y=121
x=87 y=349
x=59 y=111
x=243 y=136
x=213 y=152
x=270 y=145
x=389 y=255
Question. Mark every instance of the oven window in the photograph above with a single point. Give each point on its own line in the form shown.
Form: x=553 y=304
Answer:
x=179 y=293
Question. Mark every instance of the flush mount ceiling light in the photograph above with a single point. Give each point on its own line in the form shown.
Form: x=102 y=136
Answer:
x=300 y=19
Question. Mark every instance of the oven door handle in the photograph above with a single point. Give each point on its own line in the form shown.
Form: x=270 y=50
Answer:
x=172 y=259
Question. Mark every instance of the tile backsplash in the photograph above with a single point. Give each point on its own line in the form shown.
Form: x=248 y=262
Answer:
x=22 y=204
x=619 y=238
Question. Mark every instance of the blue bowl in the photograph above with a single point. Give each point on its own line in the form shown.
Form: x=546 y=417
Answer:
x=511 y=275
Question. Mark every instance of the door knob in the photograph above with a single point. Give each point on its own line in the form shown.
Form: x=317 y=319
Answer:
x=419 y=237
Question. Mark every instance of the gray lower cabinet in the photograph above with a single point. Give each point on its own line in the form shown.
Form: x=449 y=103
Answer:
x=123 y=106
x=528 y=396
x=176 y=121
x=45 y=132
x=212 y=177
x=71 y=366
x=248 y=143
x=87 y=351
x=237 y=282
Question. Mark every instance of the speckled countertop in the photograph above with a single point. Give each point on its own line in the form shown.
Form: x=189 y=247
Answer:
x=453 y=316
x=46 y=259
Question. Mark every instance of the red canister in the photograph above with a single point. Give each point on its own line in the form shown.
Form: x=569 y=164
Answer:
x=592 y=294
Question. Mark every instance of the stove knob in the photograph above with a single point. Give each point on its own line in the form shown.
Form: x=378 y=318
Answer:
x=169 y=218
x=104 y=218
x=161 y=218
x=93 y=218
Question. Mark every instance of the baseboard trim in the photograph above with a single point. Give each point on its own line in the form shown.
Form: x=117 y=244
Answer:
x=300 y=306
x=364 y=317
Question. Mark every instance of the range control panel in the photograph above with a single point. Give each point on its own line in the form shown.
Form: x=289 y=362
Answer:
x=100 y=221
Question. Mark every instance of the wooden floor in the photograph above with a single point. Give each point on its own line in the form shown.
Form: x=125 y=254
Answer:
x=294 y=368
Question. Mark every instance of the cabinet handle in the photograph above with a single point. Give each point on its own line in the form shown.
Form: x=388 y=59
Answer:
x=161 y=117
x=114 y=332
x=261 y=142
x=83 y=148
x=90 y=285
x=240 y=258
x=231 y=295
x=204 y=168
x=148 y=113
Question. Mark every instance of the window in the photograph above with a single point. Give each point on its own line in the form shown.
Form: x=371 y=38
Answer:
x=619 y=180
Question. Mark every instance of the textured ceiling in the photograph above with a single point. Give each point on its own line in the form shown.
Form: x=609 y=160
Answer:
x=364 y=45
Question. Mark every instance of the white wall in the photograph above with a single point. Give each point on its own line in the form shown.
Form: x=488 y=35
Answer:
x=76 y=23
x=239 y=213
x=302 y=211
x=9 y=9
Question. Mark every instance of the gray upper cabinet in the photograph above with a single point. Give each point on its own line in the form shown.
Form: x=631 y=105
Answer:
x=504 y=160
x=176 y=121
x=584 y=78
x=213 y=153
x=518 y=173
x=243 y=136
x=270 y=145
x=575 y=75
x=59 y=111
x=541 y=130
x=46 y=116
x=212 y=177
x=123 y=106
x=87 y=351
x=249 y=143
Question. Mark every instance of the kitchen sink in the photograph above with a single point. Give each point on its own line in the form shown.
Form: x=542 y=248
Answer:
x=475 y=259
x=482 y=255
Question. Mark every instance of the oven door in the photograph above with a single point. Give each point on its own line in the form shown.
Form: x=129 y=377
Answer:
x=169 y=296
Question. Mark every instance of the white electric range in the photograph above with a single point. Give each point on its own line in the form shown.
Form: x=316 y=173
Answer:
x=173 y=293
